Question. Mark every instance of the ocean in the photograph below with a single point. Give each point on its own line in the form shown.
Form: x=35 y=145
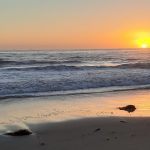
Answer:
x=47 y=73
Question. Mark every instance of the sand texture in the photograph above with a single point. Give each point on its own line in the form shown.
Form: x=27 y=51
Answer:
x=114 y=133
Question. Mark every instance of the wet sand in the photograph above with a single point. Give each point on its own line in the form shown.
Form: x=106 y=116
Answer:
x=114 y=133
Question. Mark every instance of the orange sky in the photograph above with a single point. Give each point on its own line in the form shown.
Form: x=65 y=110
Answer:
x=36 y=24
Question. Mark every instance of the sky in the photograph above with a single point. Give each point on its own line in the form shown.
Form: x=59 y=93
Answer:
x=73 y=24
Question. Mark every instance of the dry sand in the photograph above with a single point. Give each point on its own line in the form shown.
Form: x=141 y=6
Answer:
x=110 y=133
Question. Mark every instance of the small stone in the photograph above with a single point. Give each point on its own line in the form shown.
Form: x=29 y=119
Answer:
x=42 y=143
x=123 y=121
x=98 y=129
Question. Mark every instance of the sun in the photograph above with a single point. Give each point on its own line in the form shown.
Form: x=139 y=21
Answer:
x=144 y=46
x=142 y=39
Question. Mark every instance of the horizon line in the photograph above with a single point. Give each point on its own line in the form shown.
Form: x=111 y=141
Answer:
x=73 y=49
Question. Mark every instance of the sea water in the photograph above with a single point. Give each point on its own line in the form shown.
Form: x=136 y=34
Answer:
x=46 y=73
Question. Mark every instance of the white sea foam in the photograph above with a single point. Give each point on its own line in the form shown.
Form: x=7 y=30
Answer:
x=49 y=73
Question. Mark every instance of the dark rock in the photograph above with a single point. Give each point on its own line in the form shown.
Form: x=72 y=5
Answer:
x=123 y=121
x=21 y=132
x=96 y=130
x=42 y=143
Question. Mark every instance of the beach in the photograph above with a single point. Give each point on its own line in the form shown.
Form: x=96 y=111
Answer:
x=91 y=125
x=85 y=134
x=75 y=75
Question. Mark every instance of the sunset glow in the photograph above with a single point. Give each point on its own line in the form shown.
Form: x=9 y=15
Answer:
x=142 y=39
x=34 y=24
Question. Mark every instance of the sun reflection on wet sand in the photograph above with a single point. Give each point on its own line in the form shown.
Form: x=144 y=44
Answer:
x=78 y=106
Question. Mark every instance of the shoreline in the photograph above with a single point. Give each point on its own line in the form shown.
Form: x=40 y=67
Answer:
x=103 y=90
x=62 y=108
